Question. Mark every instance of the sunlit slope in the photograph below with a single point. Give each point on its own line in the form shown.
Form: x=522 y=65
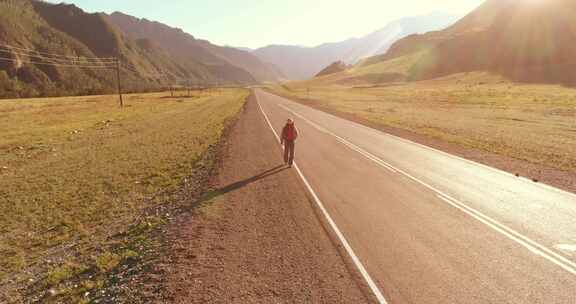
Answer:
x=527 y=41
x=393 y=70
x=304 y=62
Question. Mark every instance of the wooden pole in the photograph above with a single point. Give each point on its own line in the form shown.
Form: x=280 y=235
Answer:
x=119 y=83
x=188 y=87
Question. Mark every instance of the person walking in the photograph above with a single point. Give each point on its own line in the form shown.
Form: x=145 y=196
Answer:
x=288 y=139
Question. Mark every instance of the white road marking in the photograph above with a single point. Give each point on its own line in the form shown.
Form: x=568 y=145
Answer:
x=524 y=179
x=566 y=247
x=529 y=244
x=349 y=250
x=345 y=142
x=526 y=242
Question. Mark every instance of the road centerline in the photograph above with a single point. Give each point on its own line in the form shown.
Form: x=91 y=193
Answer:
x=531 y=245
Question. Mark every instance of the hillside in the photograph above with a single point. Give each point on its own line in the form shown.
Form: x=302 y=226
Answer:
x=335 y=67
x=185 y=47
x=304 y=62
x=39 y=29
x=20 y=24
x=526 y=41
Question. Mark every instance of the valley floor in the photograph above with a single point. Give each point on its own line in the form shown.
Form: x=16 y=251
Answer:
x=255 y=238
x=83 y=182
x=108 y=205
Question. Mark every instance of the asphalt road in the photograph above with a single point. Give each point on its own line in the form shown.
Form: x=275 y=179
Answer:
x=429 y=227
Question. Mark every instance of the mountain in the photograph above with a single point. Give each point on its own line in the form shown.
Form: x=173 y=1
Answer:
x=185 y=47
x=526 y=41
x=42 y=44
x=245 y=49
x=22 y=25
x=304 y=62
x=335 y=67
x=144 y=56
x=380 y=41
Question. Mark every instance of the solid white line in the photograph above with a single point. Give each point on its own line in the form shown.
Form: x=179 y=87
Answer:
x=496 y=170
x=513 y=235
x=333 y=225
x=526 y=242
x=345 y=142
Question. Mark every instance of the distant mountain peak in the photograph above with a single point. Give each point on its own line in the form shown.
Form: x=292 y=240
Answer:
x=299 y=62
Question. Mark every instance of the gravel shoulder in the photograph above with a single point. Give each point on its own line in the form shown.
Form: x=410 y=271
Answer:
x=256 y=237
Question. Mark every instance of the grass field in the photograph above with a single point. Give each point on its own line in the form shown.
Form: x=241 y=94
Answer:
x=74 y=170
x=536 y=123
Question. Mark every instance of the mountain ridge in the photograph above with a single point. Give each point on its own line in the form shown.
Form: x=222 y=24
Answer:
x=522 y=41
x=298 y=62
x=69 y=32
x=185 y=46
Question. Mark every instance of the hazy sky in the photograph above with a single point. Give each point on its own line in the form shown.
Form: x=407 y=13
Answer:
x=256 y=23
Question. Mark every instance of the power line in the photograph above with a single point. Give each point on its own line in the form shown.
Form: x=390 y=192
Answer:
x=55 y=55
x=74 y=59
x=57 y=64
x=56 y=60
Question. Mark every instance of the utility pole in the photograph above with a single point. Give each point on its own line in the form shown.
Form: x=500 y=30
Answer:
x=119 y=83
x=188 y=87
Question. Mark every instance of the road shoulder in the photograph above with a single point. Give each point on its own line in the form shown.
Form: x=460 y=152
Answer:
x=256 y=237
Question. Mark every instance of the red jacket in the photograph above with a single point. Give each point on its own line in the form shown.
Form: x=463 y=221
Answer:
x=289 y=132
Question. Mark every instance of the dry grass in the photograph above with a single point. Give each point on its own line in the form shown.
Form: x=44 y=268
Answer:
x=72 y=168
x=366 y=73
x=536 y=123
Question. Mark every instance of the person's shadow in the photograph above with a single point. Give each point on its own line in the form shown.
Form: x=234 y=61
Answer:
x=210 y=195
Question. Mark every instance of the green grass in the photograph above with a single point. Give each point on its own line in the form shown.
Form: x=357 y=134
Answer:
x=398 y=69
x=536 y=123
x=62 y=273
x=75 y=170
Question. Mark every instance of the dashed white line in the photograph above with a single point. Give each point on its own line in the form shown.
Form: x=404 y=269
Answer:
x=373 y=287
x=515 y=236
x=529 y=244
x=496 y=170
x=345 y=142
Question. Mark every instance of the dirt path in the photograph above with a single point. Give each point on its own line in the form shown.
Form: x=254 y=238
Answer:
x=257 y=239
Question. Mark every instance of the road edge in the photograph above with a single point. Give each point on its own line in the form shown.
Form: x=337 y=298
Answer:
x=338 y=239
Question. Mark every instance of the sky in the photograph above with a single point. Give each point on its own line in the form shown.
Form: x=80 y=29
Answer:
x=257 y=23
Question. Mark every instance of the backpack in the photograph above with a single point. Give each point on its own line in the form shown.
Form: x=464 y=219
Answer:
x=290 y=132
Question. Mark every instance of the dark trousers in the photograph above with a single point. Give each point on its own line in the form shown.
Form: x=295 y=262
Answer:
x=289 y=152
